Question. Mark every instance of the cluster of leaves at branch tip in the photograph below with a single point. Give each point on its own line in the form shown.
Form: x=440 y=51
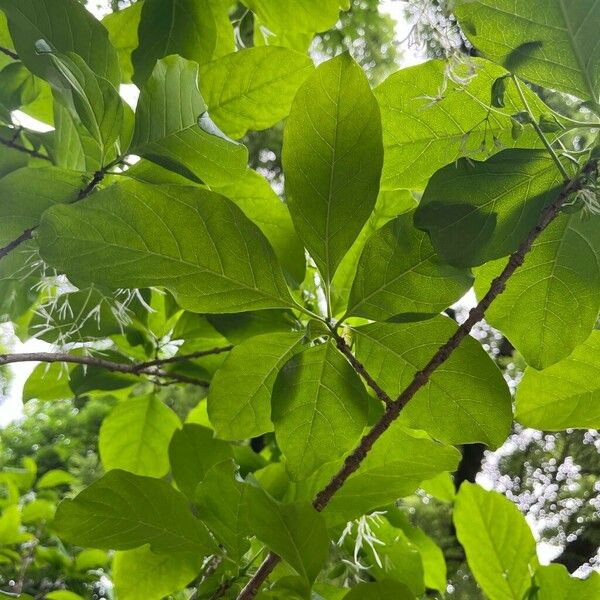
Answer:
x=280 y=368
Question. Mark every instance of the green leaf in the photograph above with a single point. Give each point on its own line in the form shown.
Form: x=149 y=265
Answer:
x=91 y=559
x=466 y=399
x=55 y=477
x=319 y=409
x=122 y=511
x=141 y=574
x=432 y=557
x=429 y=120
x=549 y=42
x=399 y=273
x=440 y=487
x=192 y=452
x=296 y=532
x=122 y=27
x=390 y=204
x=94 y=99
x=239 y=398
x=62 y=595
x=214 y=258
x=497 y=540
x=293 y=15
x=392 y=469
x=67 y=27
x=394 y=557
x=183 y=27
x=17 y=87
x=479 y=211
x=47 y=382
x=565 y=395
x=551 y=303
x=135 y=436
x=173 y=129
x=72 y=146
x=222 y=504
x=255 y=196
x=253 y=88
x=332 y=157
x=238 y=327
x=26 y=193
x=380 y=590
x=555 y=583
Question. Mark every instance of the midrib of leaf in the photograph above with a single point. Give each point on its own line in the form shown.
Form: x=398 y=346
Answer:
x=329 y=191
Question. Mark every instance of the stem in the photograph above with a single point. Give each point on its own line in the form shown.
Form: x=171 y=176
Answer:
x=83 y=193
x=34 y=153
x=539 y=131
x=109 y=365
x=183 y=357
x=355 y=458
x=360 y=368
x=9 y=53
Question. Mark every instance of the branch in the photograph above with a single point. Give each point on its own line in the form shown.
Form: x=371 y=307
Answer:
x=101 y=363
x=355 y=458
x=34 y=153
x=10 y=53
x=183 y=357
x=360 y=368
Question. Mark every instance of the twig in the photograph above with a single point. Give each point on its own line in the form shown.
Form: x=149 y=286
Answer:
x=10 y=53
x=184 y=357
x=34 y=153
x=83 y=193
x=355 y=458
x=25 y=236
x=108 y=365
x=539 y=131
x=360 y=368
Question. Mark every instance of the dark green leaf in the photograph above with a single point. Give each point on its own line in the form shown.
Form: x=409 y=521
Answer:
x=183 y=27
x=67 y=27
x=550 y=305
x=296 y=532
x=222 y=505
